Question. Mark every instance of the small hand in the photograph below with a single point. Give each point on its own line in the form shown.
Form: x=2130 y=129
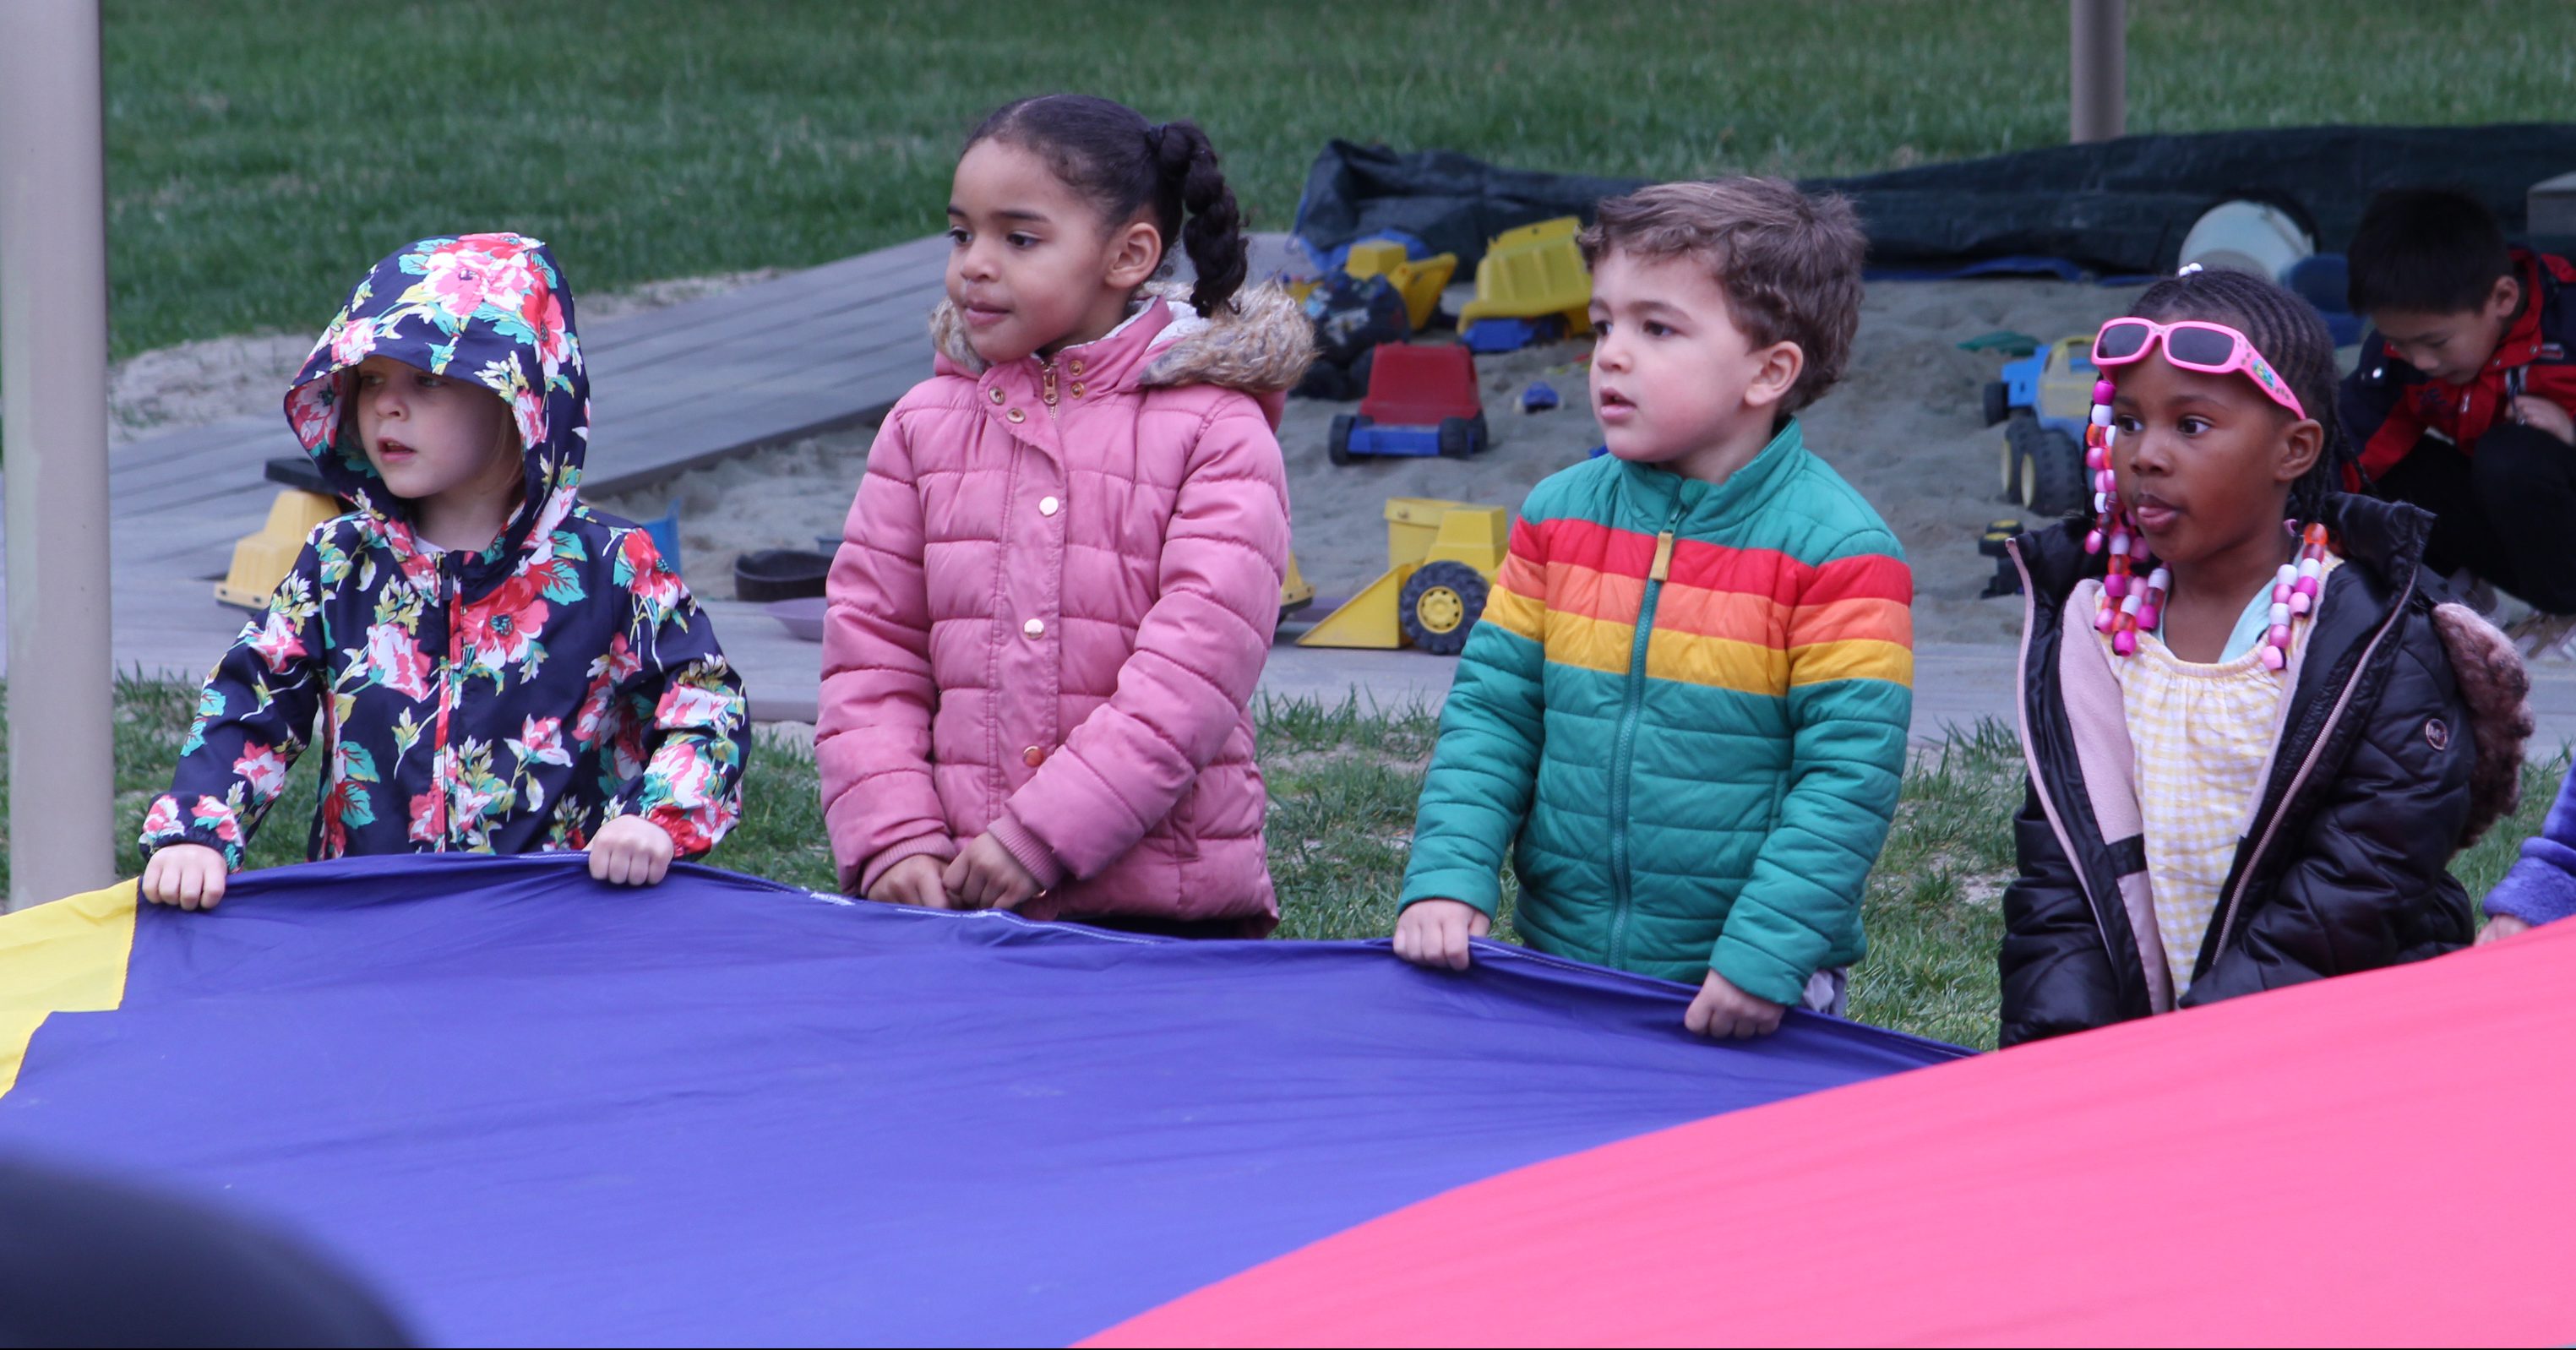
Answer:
x=914 y=881
x=986 y=876
x=2500 y=927
x=1436 y=932
x=190 y=876
x=2542 y=415
x=630 y=851
x=1722 y=1010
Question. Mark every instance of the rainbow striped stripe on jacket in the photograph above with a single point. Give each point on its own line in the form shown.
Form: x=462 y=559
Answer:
x=1685 y=714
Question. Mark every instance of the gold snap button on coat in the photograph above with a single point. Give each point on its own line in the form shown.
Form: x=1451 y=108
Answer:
x=998 y=395
x=1033 y=756
x=1077 y=389
x=1017 y=416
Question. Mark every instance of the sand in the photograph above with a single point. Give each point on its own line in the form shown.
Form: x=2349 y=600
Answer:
x=1905 y=427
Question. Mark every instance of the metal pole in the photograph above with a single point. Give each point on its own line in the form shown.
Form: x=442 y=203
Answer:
x=53 y=449
x=2097 y=72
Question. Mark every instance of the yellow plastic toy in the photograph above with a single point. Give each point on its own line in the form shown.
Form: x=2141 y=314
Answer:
x=262 y=560
x=1534 y=272
x=1295 y=591
x=1418 y=280
x=1441 y=557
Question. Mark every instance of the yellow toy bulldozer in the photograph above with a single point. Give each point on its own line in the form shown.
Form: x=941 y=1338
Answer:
x=1441 y=559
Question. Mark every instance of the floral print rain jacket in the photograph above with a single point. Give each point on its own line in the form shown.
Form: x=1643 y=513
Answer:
x=502 y=702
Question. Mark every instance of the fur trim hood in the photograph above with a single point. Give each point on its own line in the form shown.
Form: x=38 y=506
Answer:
x=1259 y=343
x=2497 y=688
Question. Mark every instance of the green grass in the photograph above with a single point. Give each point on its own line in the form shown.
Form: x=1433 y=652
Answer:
x=1343 y=780
x=263 y=152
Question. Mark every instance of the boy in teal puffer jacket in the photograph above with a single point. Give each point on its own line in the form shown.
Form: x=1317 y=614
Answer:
x=1685 y=708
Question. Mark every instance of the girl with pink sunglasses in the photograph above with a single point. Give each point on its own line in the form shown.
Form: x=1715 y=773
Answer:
x=2257 y=730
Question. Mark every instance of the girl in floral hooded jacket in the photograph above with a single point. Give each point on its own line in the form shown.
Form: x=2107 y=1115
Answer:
x=489 y=665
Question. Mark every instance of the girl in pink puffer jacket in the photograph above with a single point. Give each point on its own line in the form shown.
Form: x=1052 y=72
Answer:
x=1061 y=575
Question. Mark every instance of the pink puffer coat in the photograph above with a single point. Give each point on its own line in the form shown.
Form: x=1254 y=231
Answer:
x=1050 y=608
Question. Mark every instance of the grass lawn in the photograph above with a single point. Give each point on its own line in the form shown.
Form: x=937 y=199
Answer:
x=1343 y=784
x=263 y=152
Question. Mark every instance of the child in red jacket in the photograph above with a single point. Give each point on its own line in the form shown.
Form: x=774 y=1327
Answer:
x=2461 y=402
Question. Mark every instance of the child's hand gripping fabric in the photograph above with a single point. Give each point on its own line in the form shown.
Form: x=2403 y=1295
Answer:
x=1720 y=1010
x=2498 y=928
x=915 y=881
x=190 y=876
x=1436 y=932
x=630 y=851
x=986 y=876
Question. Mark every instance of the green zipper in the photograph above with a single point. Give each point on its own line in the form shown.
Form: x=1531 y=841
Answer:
x=1624 y=749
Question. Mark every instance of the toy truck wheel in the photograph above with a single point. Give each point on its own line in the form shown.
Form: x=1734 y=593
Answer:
x=2012 y=467
x=1461 y=437
x=1998 y=402
x=2052 y=469
x=1337 y=444
x=1440 y=602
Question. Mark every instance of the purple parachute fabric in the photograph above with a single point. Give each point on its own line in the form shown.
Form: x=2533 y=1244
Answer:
x=534 y=1109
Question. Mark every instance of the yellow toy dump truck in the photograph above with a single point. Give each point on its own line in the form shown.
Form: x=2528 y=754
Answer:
x=1418 y=280
x=1530 y=287
x=1441 y=557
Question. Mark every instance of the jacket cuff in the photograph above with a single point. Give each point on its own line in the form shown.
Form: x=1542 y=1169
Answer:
x=1759 y=973
x=230 y=853
x=167 y=823
x=2535 y=892
x=1484 y=890
x=1024 y=847
x=938 y=846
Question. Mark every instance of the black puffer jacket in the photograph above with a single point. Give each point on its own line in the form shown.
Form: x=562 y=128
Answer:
x=2403 y=742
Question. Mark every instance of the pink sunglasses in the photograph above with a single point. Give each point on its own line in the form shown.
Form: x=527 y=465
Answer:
x=2192 y=344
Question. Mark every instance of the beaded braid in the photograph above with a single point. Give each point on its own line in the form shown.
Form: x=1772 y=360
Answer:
x=2293 y=339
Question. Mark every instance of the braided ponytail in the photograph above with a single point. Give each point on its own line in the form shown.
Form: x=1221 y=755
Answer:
x=2291 y=336
x=1213 y=238
x=1109 y=154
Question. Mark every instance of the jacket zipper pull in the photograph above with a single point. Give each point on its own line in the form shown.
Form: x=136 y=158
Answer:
x=1046 y=382
x=1663 y=557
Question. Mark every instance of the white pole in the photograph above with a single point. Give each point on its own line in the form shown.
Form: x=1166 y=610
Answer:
x=2097 y=74
x=53 y=381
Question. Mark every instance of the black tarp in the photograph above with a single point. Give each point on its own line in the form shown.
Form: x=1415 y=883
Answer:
x=2118 y=206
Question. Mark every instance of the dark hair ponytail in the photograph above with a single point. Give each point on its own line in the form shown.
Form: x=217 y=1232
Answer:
x=1213 y=238
x=2291 y=336
x=1108 y=153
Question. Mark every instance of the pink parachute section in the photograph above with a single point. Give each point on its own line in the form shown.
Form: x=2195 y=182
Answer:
x=2383 y=1159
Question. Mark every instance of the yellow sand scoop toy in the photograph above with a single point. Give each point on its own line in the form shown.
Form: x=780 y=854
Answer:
x=1441 y=559
x=1295 y=591
x=262 y=560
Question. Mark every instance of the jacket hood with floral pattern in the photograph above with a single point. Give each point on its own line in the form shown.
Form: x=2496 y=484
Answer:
x=490 y=308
